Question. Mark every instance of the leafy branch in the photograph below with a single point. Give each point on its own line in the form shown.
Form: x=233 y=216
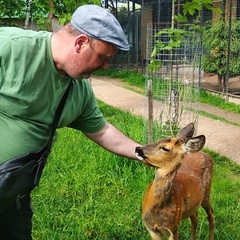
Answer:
x=39 y=11
x=176 y=36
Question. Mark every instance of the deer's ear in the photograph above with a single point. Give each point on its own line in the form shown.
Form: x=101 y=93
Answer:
x=194 y=144
x=186 y=132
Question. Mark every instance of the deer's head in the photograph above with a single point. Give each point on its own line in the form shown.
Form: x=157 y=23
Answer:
x=170 y=151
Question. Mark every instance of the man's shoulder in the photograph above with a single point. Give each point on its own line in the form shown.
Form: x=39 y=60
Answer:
x=15 y=33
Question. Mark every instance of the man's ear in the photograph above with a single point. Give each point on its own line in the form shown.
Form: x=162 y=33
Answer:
x=80 y=41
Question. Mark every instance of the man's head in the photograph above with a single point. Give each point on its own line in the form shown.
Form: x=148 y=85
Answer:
x=87 y=42
x=100 y=24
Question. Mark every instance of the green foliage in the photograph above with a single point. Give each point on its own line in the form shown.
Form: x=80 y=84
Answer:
x=12 y=8
x=64 y=9
x=217 y=101
x=215 y=41
x=175 y=36
x=132 y=77
x=174 y=39
x=88 y=193
x=191 y=7
x=40 y=10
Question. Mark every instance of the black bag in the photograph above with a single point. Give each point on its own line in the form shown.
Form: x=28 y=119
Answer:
x=20 y=175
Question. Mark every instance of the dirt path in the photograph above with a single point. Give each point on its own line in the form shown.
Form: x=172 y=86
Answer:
x=221 y=137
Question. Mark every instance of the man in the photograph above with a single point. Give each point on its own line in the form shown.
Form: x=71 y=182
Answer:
x=36 y=69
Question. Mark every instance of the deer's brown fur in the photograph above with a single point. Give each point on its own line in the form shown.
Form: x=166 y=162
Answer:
x=181 y=185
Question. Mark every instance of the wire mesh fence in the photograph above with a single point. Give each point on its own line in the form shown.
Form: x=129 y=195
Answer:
x=206 y=59
x=173 y=86
x=221 y=67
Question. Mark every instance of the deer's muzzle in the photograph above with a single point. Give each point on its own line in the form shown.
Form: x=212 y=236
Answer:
x=139 y=153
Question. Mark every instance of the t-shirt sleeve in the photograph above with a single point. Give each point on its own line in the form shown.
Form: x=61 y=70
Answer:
x=90 y=119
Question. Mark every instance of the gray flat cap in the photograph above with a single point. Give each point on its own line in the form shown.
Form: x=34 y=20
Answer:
x=99 y=23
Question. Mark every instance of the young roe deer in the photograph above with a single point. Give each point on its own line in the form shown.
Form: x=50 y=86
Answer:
x=181 y=185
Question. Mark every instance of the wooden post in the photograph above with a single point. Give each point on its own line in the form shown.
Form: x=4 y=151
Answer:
x=150 y=112
x=175 y=105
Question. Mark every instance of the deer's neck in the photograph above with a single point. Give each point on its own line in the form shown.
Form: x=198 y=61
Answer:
x=163 y=181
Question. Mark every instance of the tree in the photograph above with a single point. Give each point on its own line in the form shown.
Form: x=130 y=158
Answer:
x=41 y=11
x=11 y=9
x=215 y=41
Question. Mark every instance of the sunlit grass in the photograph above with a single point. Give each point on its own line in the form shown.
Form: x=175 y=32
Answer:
x=88 y=193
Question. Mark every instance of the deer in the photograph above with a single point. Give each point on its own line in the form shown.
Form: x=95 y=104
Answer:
x=181 y=185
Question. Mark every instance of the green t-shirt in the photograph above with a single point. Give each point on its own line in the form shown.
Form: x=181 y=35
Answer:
x=30 y=91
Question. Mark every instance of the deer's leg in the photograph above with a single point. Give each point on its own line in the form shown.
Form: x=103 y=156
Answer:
x=208 y=209
x=176 y=235
x=194 y=223
x=206 y=204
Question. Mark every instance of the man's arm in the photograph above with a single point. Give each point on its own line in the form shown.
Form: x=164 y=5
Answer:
x=115 y=141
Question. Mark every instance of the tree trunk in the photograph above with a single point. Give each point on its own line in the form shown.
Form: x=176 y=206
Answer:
x=50 y=15
x=220 y=79
x=29 y=4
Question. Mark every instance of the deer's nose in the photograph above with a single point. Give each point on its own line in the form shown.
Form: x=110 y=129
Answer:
x=139 y=151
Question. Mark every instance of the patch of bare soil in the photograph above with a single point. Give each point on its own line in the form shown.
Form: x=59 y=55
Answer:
x=211 y=83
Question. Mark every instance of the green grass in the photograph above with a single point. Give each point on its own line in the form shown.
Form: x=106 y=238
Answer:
x=88 y=193
x=218 y=118
x=132 y=77
x=217 y=101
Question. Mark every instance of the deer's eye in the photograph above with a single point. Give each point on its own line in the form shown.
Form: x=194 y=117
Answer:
x=165 y=149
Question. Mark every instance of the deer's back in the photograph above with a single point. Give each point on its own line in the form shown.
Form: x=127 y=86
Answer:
x=195 y=177
x=196 y=163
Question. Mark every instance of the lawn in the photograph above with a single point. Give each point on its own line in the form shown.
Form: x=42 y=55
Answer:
x=89 y=193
